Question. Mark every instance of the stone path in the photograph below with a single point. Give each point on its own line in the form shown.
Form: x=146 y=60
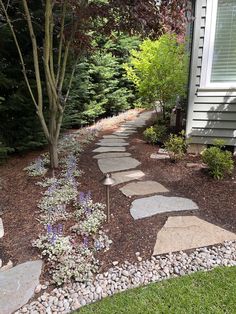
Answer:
x=179 y=232
x=17 y=285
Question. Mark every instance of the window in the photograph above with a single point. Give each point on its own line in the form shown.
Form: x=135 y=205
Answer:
x=219 y=56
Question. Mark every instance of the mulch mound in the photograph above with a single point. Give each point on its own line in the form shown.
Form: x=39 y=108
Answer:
x=19 y=196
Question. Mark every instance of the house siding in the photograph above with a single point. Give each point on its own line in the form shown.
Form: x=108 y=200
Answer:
x=211 y=113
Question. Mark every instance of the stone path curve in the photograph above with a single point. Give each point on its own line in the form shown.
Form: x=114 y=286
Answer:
x=179 y=232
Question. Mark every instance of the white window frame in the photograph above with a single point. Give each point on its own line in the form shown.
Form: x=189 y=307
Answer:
x=208 y=49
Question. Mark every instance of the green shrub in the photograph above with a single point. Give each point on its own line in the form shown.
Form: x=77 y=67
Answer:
x=150 y=135
x=219 y=162
x=155 y=133
x=176 y=146
x=161 y=132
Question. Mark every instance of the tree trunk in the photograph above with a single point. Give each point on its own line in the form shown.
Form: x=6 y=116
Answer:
x=53 y=153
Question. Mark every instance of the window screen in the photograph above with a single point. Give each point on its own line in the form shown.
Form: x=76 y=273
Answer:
x=224 y=56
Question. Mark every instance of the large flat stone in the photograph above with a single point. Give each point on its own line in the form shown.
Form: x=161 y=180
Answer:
x=117 y=164
x=124 y=132
x=143 y=188
x=126 y=176
x=112 y=140
x=114 y=137
x=17 y=285
x=159 y=156
x=189 y=232
x=109 y=149
x=1 y=228
x=149 y=206
x=111 y=155
x=113 y=144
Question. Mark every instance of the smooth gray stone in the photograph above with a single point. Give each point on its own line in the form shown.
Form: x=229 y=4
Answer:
x=143 y=188
x=149 y=206
x=126 y=176
x=112 y=140
x=109 y=149
x=159 y=156
x=113 y=137
x=122 y=134
x=125 y=131
x=1 y=228
x=111 y=155
x=102 y=143
x=17 y=285
x=117 y=164
x=127 y=128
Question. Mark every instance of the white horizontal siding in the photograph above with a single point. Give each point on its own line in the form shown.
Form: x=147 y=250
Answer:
x=214 y=116
x=211 y=113
x=207 y=107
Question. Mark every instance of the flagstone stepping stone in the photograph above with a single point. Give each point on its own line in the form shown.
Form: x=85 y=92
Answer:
x=188 y=232
x=112 y=140
x=1 y=228
x=162 y=151
x=125 y=131
x=114 y=137
x=143 y=188
x=159 y=156
x=107 y=165
x=114 y=143
x=127 y=128
x=126 y=176
x=122 y=134
x=109 y=149
x=17 y=285
x=111 y=155
x=149 y=206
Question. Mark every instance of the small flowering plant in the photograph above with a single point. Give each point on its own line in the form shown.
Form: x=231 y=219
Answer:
x=90 y=215
x=36 y=168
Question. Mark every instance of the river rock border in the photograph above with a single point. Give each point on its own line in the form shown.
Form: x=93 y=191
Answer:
x=126 y=276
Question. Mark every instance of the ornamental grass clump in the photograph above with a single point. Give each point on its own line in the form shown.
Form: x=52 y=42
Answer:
x=220 y=162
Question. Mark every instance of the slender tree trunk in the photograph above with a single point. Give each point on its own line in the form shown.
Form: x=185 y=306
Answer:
x=53 y=152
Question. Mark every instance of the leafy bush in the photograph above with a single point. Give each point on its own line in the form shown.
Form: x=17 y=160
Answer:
x=150 y=135
x=161 y=131
x=176 y=146
x=154 y=134
x=159 y=70
x=219 y=162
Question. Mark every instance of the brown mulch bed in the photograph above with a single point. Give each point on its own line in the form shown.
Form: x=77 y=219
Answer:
x=19 y=197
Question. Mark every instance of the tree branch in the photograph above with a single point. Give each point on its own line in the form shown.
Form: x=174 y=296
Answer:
x=61 y=40
x=9 y=22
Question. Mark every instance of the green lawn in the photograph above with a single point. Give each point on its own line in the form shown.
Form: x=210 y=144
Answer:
x=204 y=292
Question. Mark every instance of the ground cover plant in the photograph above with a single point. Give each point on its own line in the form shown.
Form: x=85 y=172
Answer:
x=202 y=292
x=68 y=253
